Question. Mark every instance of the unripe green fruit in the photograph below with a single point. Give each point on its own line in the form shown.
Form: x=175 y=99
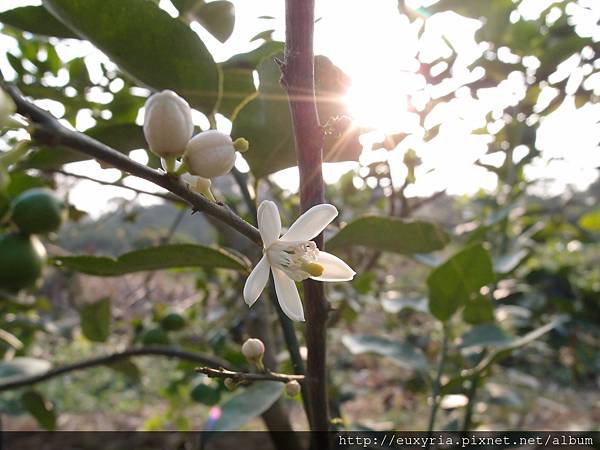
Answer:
x=172 y=322
x=38 y=211
x=155 y=336
x=22 y=260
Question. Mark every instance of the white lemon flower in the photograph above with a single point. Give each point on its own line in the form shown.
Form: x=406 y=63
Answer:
x=293 y=257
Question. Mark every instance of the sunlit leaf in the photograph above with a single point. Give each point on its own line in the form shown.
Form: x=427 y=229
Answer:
x=145 y=42
x=590 y=221
x=389 y=234
x=154 y=258
x=452 y=284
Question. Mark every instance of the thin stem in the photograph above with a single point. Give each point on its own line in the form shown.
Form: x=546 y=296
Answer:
x=248 y=377
x=113 y=358
x=298 y=80
x=118 y=184
x=49 y=131
x=435 y=402
x=468 y=418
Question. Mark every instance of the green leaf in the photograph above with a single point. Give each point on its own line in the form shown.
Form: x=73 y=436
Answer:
x=155 y=258
x=247 y=405
x=217 y=17
x=22 y=367
x=127 y=368
x=238 y=79
x=590 y=221
x=390 y=234
x=452 y=284
x=488 y=335
x=478 y=310
x=265 y=121
x=36 y=20
x=122 y=137
x=145 y=42
x=40 y=408
x=205 y=394
x=95 y=320
x=401 y=353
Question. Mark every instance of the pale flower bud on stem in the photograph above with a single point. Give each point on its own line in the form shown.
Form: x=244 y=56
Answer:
x=210 y=154
x=168 y=126
x=230 y=384
x=241 y=145
x=292 y=388
x=253 y=350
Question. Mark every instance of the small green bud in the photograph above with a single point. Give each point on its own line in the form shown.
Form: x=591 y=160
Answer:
x=230 y=384
x=241 y=145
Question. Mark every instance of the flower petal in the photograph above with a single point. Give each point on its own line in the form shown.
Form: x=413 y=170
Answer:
x=335 y=268
x=311 y=223
x=256 y=281
x=287 y=294
x=269 y=223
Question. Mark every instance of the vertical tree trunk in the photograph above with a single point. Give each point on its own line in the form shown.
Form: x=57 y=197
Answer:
x=298 y=80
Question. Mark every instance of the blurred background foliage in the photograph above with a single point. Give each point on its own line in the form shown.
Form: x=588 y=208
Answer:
x=485 y=306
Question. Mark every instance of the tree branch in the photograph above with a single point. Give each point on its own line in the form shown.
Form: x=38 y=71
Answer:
x=51 y=132
x=113 y=358
x=248 y=377
x=298 y=80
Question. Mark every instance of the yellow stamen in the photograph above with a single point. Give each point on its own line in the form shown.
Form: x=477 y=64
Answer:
x=314 y=269
x=241 y=145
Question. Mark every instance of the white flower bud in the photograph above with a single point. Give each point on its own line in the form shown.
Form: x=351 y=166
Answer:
x=168 y=124
x=292 y=388
x=230 y=384
x=253 y=350
x=7 y=108
x=210 y=154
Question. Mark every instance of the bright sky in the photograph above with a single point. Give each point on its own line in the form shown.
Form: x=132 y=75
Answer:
x=376 y=47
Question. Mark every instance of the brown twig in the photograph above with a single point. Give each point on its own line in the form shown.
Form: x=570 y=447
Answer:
x=111 y=359
x=248 y=377
x=49 y=131
x=298 y=80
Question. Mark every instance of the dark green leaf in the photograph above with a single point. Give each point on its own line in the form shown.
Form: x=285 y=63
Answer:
x=401 y=353
x=155 y=258
x=127 y=368
x=95 y=320
x=247 y=405
x=121 y=137
x=265 y=121
x=478 y=310
x=389 y=234
x=145 y=42
x=40 y=408
x=205 y=394
x=452 y=284
x=36 y=20
x=217 y=17
x=238 y=80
